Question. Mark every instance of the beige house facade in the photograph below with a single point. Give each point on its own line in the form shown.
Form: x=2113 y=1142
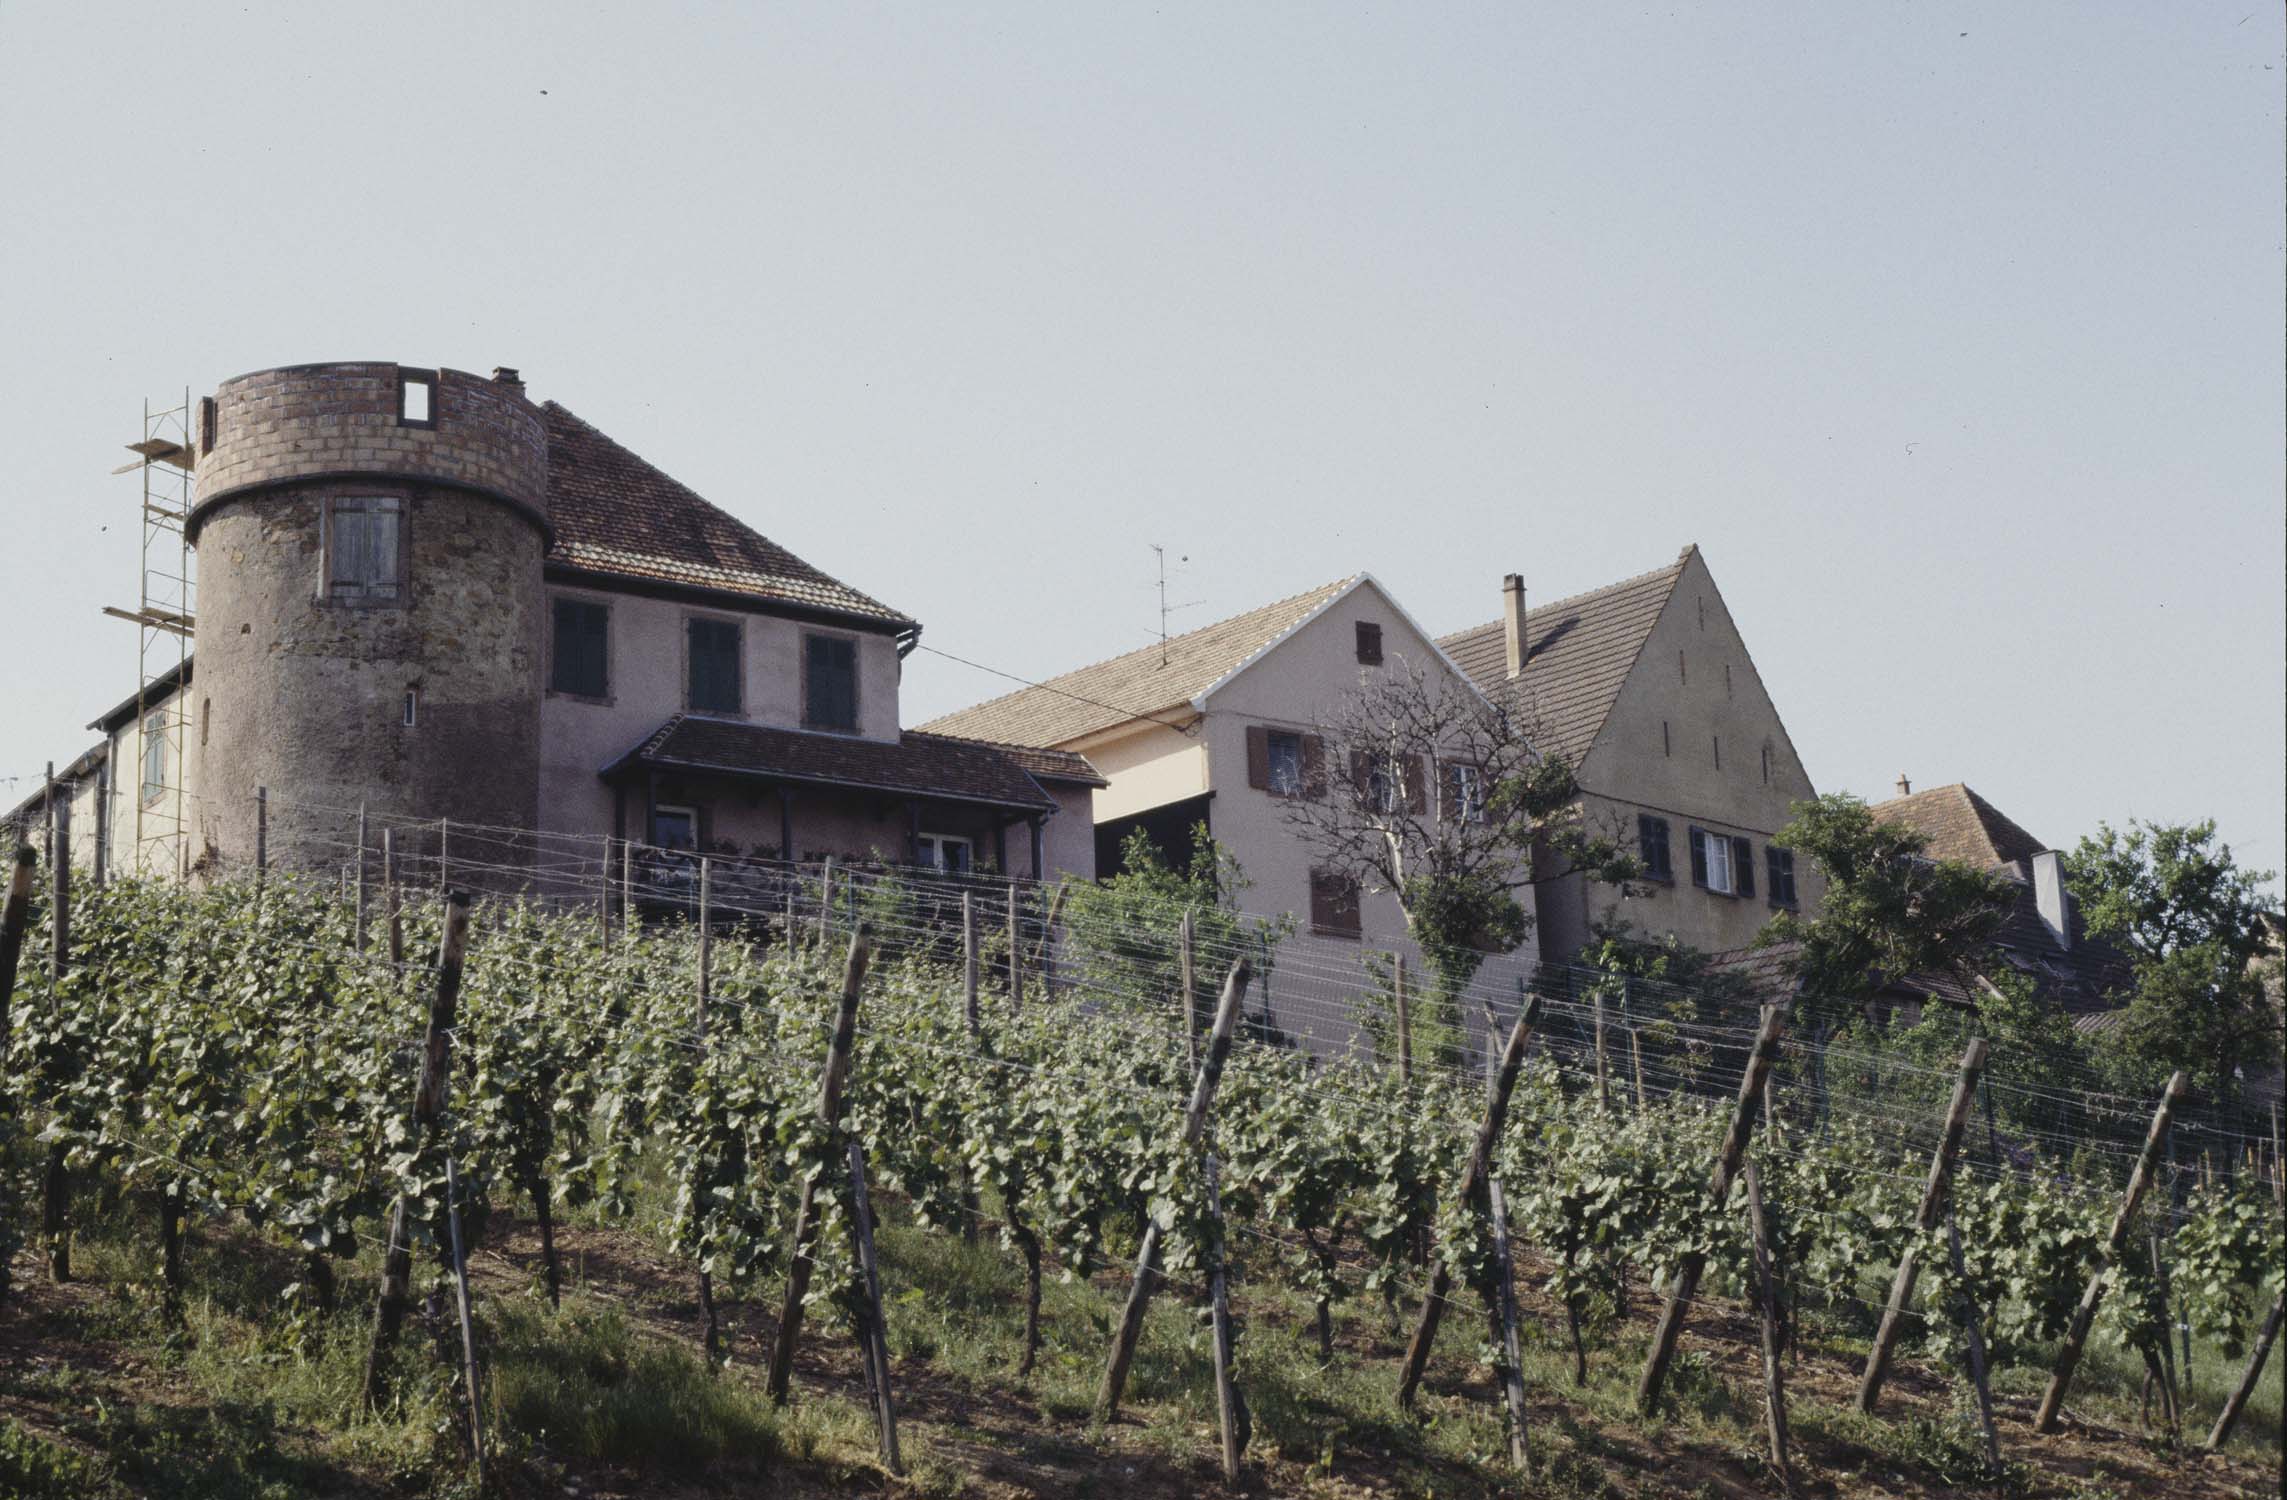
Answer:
x=1647 y=687
x=1221 y=726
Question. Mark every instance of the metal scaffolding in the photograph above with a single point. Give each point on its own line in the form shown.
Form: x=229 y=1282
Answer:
x=165 y=610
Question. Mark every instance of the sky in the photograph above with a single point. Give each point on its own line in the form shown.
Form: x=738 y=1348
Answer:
x=1952 y=334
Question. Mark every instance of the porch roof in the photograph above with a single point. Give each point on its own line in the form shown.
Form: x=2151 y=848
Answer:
x=931 y=766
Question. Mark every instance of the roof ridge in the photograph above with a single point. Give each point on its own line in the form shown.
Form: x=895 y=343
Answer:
x=1050 y=683
x=1532 y=609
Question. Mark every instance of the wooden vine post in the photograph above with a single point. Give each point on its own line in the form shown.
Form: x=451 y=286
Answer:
x=1505 y=1336
x=428 y=1111
x=969 y=960
x=389 y=905
x=468 y=1324
x=1230 y=1408
x=1124 y=1339
x=261 y=836
x=873 y=1334
x=55 y=1192
x=1405 y=1019
x=13 y=919
x=1933 y=1204
x=1603 y=1059
x=1973 y=1331
x=2236 y=1402
x=711 y=1326
x=360 y=920
x=1766 y=1293
x=1472 y=1191
x=829 y=1115
x=1727 y=1162
x=2076 y=1336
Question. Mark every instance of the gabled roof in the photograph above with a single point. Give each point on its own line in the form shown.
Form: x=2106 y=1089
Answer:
x=1140 y=684
x=617 y=515
x=1578 y=652
x=917 y=765
x=1960 y=825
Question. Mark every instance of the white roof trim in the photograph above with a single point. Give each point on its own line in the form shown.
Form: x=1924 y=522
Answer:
x=1199 y=702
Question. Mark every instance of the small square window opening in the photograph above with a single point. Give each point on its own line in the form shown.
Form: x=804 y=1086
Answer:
x=416 y=399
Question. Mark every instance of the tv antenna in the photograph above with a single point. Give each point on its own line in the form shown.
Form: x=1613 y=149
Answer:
x=1166 y=609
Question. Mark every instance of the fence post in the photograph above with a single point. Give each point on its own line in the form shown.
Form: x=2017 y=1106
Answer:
x=359 y=934
x=55 y=1195
x=102 y=868
x=389 y=903
x=1719 y=1192
x=706 y=940
x=711 y=1336
x=1767 y=1304
x=873 y=1338
x=1147 y=1255
x=1933 y=1202
x=969 y=960
x=1190 y=996
x=1016 y=954
x=428 y=1110
x=2076 y=1336
x=59 y=890
x=603 y=899
x=1603 y=1059
x=261 y=836
x=829 y=1115
x=825 y=900
x=1405 y=1019
x=1472 y=1193
x=1230 y=1409
x=444 y=852
x=468 y=1326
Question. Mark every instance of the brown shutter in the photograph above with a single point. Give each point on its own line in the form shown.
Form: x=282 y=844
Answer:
x=1448 y=805
x=1313 y=766
x=1334 y=905
x=1258 y=757
x=1742 y=868
x=1417 y=788
x=1321 y=900
x=1361 y=772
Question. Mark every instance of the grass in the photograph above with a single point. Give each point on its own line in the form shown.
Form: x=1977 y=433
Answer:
x=242 y=1392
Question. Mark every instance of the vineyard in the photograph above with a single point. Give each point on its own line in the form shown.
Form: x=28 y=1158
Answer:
x=795 y=1092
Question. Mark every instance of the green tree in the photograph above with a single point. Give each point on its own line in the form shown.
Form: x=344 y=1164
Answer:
x=1125 y=932
x=1890 y=912
x=2190 y=920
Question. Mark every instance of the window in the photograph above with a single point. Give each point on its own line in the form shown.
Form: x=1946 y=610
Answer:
x=675 y=827
x=154 y=755
x=1781 y=867
x=1369 y=644
x=579 y=662
x=412 y=707
x=943 y=851
x=1381 y=789
x=711 y=683
x=1334 y=905
x=416 y=398
x=1652 y=847
x=206 y=720
x=830 y=682
x=1667 y=745
x=1465 y=793
x=206 y=424
x=1766 y=765
x=1285 y=763
x=1722 y=863
x=364 y=549
x=1717 y=741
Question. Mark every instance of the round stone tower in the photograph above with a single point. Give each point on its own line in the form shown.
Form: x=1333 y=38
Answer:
x=369 y=611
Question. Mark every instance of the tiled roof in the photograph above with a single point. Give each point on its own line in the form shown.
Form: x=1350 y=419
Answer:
x=918 y=765
x=1137 y=685
x=1960 y=825
x=1051 y=765
x=618 y=515
x=1578 y=652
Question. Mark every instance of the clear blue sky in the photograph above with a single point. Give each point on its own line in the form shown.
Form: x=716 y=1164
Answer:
x=1952 y=333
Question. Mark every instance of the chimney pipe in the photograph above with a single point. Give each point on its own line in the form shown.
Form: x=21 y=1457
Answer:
x=1905 y=787
x=1513 y=621
x=2049 y=895
x=507 y=375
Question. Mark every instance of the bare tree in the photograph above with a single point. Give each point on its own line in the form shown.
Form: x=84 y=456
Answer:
x=1423 y=787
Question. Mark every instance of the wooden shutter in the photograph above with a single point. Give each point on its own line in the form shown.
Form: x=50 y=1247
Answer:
x=1361 y=773
x=1258 y=757
x=1313 y=766
x=1448 y=805
x=1334 y=904
x=1742 y=868
x=1369 y=644
x=1417 y=790
x=1699 y=858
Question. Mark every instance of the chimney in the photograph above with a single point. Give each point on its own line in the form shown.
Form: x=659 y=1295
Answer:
x=1513 y=621
x=2049 y=895
x=507 y=375
x=1905 y=787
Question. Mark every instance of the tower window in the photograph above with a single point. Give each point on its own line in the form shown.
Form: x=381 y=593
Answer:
x=412 y=706
x=711 y=682
x=364 y=549
x=1369 y=644
x=416 y=398
x=206 y=424
x=154 y=755
x=830 y=683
